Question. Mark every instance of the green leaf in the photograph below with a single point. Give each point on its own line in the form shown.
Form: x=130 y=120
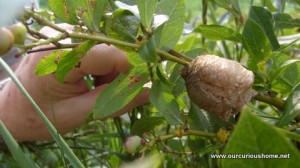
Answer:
x=222 y=3
x=168 y=34
x=291 y=107
x=217 y=32
x=146 y=9
x=16 y=151
x=134 y=58
x=202 y=120
x=67 y=62
x=285 y=21
x=256 y=43
x=282 y=72
x=179 y=82
x=162 y=98
x=270 y=6
x=162 y=77
x=90 y=12
x=146 y=124
x=264 y=18
x=63 y=10
x=123 y=26
x=253 y=136
x=49 y=63
x=147 y=51
x=120 y=92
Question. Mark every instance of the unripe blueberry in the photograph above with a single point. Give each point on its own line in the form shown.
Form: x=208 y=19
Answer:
x=132 y=144
x=6 y=40
x=19 y=31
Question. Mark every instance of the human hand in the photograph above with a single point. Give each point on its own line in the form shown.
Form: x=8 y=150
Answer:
x=67 y=104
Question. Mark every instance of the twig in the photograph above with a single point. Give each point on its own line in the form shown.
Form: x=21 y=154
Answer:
x=99 y=38
x=275 y=101
x=48 y=41
x=43 y=21
x=62 y=46
x=289 y=134
x=178 y=134
x=41 y=36
x=179 y=55
x=293 y=127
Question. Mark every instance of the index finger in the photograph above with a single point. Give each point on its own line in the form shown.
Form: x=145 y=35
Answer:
x=102 y=59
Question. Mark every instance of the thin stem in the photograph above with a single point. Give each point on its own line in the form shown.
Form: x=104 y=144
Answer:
x=179 y=55
x=62 y=46
x=41 y=36
x=45 y=42
x=103 y=39
x=293 y=127
x=204 y=17
x=289 y=134
x=179 y=59
x=179 y=135
x=170 y=57
x=200 y=133
x=278 y=103
x=43 y=21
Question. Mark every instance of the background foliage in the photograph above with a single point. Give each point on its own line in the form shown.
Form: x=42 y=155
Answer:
x=261 y=34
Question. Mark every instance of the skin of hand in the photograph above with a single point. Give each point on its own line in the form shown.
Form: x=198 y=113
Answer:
x=66 y=105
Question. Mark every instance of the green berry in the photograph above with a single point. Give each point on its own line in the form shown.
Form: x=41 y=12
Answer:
x=19 y=31
x=6 y=40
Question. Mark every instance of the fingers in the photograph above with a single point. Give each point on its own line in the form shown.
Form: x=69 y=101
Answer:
x=86 y=102
x=102 y=59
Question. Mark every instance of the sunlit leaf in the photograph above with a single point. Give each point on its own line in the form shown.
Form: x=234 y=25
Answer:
x=90 y=12
x=146 y=9
x=71 y=59
x=63 y=10
x=255 y=137
x=135 y=59
x=168 y=34
x=48 y=64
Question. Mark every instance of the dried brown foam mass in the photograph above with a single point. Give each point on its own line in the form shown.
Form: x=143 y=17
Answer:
x=218 y=85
